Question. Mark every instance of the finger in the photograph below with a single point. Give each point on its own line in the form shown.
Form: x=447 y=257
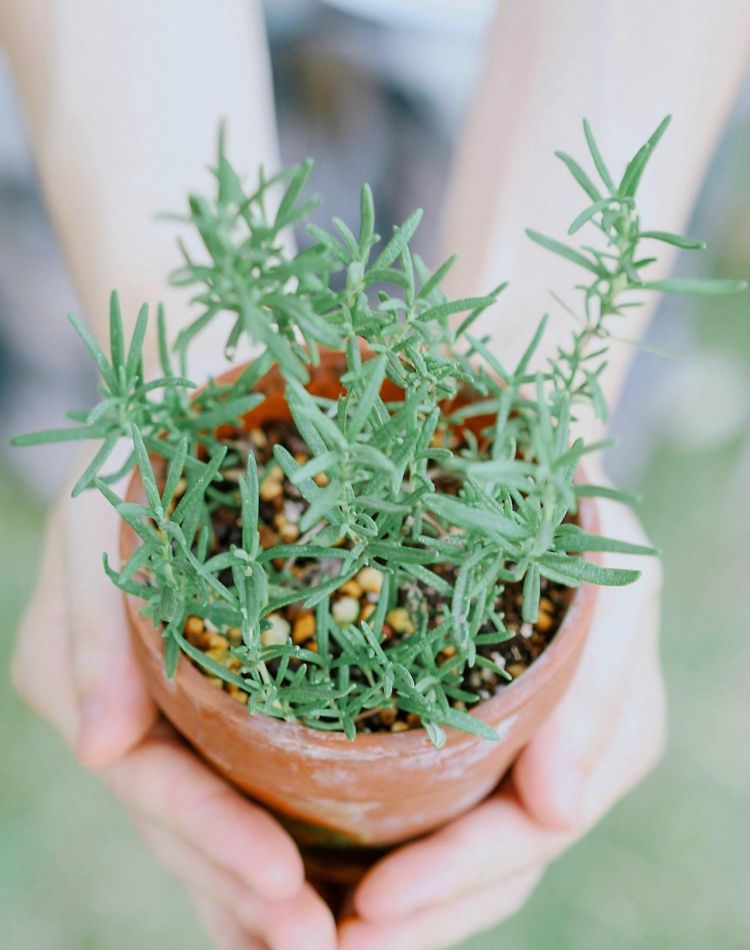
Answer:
x=166 y=783
x=499 y=839
x=447 y=922
x=551 y=775
x=116 y=710
x=635 y=745
x=222 y=926
x=303 y=921
x=496 y=839
x=40 y=668
x=195 y=871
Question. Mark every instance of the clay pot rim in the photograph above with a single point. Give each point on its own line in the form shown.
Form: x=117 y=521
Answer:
x=502 y=706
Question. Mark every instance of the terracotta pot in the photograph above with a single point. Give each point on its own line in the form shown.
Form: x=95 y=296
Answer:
x=381 y=788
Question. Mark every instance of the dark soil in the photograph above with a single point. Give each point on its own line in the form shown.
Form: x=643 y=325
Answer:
x=281 y=507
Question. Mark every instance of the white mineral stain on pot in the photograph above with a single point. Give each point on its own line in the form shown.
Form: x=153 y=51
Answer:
x=336 y=777
x=216 y=757
x=352 y=810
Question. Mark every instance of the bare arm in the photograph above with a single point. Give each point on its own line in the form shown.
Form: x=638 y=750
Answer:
x=624 y=66
x=123 y=102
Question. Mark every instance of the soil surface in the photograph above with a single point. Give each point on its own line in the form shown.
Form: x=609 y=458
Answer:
x=280 y=509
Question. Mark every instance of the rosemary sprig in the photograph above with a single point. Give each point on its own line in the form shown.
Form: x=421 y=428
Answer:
x=459 y=518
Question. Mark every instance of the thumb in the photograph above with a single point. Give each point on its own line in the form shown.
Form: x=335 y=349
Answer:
x=115 y=709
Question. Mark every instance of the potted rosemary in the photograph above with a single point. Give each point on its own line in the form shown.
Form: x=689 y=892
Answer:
x=359 y=570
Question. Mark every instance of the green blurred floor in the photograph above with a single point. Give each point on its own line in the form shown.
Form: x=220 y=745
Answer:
x=669 y=869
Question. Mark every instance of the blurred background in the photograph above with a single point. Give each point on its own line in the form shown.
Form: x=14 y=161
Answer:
x=669 y=867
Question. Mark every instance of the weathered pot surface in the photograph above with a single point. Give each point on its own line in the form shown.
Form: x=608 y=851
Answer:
x=381 y=788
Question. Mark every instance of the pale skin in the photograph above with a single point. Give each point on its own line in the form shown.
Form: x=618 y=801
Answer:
x=115 y=144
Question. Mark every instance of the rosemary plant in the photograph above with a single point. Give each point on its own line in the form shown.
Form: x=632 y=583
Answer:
x=461 y=518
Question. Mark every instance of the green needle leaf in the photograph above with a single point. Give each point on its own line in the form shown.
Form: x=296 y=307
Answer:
x=531 y=594
x=569 y=253
x=580 y=176
x=92 y=469
x=666 y=237
x=135 y=356
x=705 y=287
x=635 y=168
x=400 y=240
x=105 y=370
x=597 y=157
x=577 y=569
x=116 y=333
x=74 y=434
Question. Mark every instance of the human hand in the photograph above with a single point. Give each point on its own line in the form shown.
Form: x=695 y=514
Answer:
x=605 y=735
x=75 y=667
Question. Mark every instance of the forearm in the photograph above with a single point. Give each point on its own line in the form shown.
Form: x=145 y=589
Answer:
x=123 y=102
x=624 y=66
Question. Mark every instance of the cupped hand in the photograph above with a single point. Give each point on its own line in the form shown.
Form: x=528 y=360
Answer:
x=601 y=740
x=75 y=667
